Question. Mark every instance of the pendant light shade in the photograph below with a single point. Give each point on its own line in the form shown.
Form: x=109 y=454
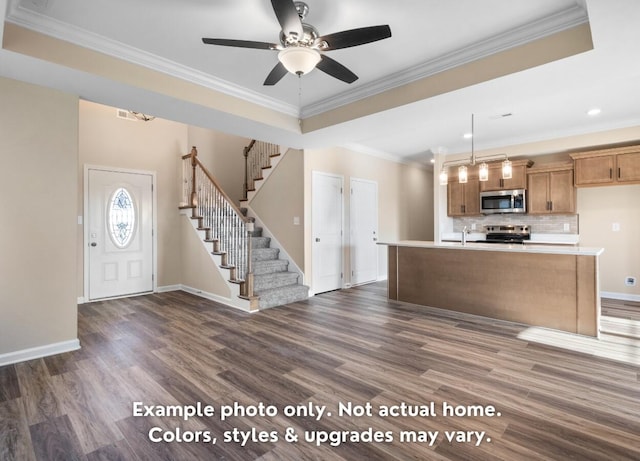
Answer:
x=483 y=172
x=507 y=171
x=462 y=174
x=299 y=60
x=444 y=178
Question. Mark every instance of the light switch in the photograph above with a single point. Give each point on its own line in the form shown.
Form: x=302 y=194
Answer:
x=296 y=220
x=615 y=227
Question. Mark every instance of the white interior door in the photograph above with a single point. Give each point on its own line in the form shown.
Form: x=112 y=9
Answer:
x=363 y=225
x=327 y=223
x=119 y=233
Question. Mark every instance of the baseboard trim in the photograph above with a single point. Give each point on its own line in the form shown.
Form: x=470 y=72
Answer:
x=620 y=296
x=241 y=304
x=39 y=352
x=168 y=288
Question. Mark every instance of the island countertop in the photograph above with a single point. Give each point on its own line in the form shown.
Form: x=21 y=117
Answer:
x=513 y=248
x=550 y=286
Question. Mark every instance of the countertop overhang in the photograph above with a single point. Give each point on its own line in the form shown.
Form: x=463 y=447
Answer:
x=512 y=248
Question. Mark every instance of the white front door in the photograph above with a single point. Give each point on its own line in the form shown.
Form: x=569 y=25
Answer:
x=363 y=225
x=326 y=223
x=119 y=233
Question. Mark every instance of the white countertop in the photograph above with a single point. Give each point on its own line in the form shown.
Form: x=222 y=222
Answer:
x=517 y=248
x=549 y=239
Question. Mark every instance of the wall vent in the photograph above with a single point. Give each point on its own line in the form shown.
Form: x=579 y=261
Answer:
x=125 y=114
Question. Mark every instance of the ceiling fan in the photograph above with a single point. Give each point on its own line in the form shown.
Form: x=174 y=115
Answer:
x=301 y=48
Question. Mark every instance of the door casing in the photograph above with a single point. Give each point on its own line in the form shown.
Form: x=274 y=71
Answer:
x=86 y=225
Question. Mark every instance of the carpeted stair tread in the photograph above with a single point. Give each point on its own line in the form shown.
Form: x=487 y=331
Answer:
x=274 y=280
x=269 y=266
x=260 y=242
x=264 y=254
x=283 y=295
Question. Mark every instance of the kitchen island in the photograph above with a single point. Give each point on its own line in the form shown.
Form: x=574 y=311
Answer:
x=541 y=285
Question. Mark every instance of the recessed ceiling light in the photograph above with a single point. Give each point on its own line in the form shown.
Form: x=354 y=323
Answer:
x=594 y=111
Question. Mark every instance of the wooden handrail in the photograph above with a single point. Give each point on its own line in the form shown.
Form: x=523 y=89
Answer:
x=221 y=219
x=222 y=192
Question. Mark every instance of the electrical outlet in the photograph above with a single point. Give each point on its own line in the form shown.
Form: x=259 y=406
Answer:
x=630 y=281
x=567 y=227
x=473 y=226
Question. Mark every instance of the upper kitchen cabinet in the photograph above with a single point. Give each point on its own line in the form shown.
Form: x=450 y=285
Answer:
x=463 y=199
x=518 y=178
x=619 y=165
x=550 y=189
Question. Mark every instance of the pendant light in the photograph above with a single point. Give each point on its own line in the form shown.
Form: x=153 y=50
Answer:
x=483 y=168
x=483 y=172
x=507 y=170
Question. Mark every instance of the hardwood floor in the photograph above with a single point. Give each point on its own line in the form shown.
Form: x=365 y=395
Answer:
x=175 y=349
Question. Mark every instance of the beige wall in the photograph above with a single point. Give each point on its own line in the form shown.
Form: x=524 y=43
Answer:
x=198 y=268
x=280 y=199
x=405 y=198
x=599 y=208
x=222 y=155
x=38 y=165
x=105 y=140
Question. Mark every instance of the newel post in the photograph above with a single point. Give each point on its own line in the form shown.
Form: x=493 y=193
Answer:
x=245 y=187
x=249 y=275
x=194 y=194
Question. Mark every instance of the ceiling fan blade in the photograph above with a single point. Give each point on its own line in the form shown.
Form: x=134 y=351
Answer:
x=240 y=43
x=354 y=37
x=335 y=69
x=288 y=17
x=275 y=75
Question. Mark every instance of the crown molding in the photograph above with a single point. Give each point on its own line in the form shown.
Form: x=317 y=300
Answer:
x=46 y=25
x=33 y=20
x=361 y=149
x=561 y=21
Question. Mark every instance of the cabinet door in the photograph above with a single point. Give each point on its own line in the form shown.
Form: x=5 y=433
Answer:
x=594 y=170
x=495 y=179
x=518 y=178
x=628 y=167
x=455 y=198
x=472 y=197
x=562 y=194
x=538 y=193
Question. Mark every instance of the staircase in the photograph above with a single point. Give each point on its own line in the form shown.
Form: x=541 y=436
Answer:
x=264 y=280
x=273 y=283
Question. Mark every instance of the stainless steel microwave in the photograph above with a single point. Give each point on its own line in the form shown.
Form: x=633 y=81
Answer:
x=503 y=201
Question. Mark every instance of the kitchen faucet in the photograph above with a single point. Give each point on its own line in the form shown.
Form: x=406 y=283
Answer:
x=465 y=231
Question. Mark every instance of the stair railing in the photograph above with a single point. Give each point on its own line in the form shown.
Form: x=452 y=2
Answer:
x=257 y=156
x=224 y=223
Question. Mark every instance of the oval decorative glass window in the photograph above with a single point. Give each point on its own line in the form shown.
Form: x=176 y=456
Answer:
x=121 y=218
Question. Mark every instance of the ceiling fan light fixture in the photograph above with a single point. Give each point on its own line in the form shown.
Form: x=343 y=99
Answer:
x=299 y=60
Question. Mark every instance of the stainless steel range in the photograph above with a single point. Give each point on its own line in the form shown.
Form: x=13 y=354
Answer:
x=507 y=233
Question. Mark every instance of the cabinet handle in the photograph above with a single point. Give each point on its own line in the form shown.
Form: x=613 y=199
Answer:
x=463 y=208
x=610 y=173
x=550 y=205
x=618 y=172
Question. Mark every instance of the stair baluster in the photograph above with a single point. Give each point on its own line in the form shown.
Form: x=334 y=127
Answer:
x=223 y=222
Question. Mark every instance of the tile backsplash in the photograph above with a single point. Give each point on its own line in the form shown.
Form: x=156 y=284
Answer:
x=539 y=224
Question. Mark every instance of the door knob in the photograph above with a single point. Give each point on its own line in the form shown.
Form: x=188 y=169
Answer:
x=94 y=244
x=317 y=239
